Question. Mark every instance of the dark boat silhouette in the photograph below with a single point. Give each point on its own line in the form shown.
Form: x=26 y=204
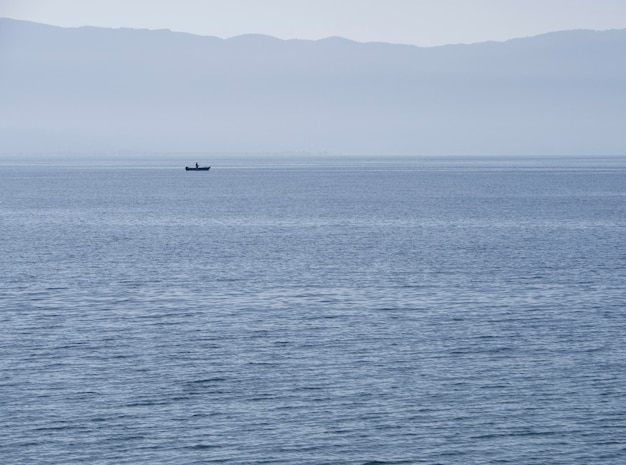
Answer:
x=199 y=168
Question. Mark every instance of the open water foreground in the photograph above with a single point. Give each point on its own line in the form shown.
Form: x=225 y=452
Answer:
x=313 y=310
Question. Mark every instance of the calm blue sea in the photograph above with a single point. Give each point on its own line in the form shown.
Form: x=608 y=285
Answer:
x=313 y=310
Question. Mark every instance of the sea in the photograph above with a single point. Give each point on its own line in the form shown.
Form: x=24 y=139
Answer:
x=311 y=309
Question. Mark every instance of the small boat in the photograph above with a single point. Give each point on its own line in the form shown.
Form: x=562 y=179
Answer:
x=197 y=168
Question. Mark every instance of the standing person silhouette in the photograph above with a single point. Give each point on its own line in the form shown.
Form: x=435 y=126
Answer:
x=196 y=164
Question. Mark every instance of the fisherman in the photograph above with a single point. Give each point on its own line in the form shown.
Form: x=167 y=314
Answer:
x=196 y=164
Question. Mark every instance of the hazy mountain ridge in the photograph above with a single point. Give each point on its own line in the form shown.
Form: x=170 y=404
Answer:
x=88 y=88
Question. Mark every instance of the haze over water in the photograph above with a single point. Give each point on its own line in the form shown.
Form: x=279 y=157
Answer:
x=313 y=310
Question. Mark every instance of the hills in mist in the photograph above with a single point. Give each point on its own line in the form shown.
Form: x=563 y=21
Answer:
x=105 y=90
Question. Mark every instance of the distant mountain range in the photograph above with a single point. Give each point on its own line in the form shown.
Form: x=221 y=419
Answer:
x=107 y=90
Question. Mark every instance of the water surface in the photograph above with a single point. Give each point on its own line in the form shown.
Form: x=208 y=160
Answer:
x=313 y=310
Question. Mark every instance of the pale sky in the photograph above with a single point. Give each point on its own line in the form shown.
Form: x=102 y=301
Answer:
x=419 y=22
